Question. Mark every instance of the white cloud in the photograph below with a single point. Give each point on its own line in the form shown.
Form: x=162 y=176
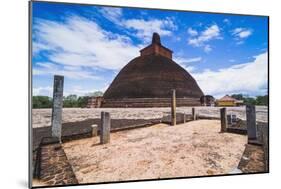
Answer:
x=247 y=78
x=245 y=34
x=141 y=28
x=192 y=32
x=207 y=48
x=210 y=33
x=43 y=91
x=240 y=34
x=72 y=72
x=187 y=60
x=81 y=42
x=145 y=28
x=77 y=90
x=112 y=13
x=184 y=62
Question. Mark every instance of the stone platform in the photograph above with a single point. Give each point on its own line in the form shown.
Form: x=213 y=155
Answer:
x=148 y=102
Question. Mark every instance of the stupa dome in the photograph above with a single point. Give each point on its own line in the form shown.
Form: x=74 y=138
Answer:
x=153 y=75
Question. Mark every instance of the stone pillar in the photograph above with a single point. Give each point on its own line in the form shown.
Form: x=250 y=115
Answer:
x=251 y=122
x=229 y=120
x=105 y=128
x=184 y=117
x=94 y=130
x=57 y=106
x=194 y=116
x=223 y=119
x=173 y=108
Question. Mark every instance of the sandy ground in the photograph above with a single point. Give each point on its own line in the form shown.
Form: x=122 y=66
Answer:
x=191 y=149
x=42 y=117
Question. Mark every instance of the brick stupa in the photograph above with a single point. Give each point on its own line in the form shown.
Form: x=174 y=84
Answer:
x=147 y=81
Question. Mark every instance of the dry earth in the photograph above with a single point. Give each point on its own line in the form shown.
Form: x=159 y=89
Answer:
x=42 y=117
x=191 y=149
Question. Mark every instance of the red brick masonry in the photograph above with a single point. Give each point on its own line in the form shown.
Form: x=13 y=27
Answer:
x=54 y=166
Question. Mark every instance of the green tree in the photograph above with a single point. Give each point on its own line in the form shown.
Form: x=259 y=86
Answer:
x=70 y=101
x=82 y=101
x=249 y=101
x=41 y=102
x=237 y=96
x=259 y=100
x=262 y=100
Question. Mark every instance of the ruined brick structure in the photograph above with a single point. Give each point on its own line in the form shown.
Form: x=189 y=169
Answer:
x=207 y=100
x=147 y=81
x=94 y=102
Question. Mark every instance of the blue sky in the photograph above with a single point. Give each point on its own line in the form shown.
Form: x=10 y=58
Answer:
x=89 y=45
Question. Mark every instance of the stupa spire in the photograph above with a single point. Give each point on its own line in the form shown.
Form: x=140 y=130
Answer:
x=156 y=48
x=156 y=38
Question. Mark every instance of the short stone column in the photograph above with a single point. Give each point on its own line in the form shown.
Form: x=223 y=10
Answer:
x=105 y=128
x=229 y=120
x=194 y=116
x=94 y=130
x=223 y=119
x=251 y=122
x=184 y=117
x=173 y=108
x=57 y=106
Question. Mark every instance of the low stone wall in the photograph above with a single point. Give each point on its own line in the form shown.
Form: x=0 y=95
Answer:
x=240 y=128
x=265 y=142
x=252 y=160
x=52 y=166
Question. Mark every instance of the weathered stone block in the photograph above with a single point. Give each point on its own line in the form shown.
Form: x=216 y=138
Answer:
x=184 y=117
x=194 y=114
x=223 y=120
x=105 y=128
x=229 y=121
x=173 y=108
x=57 y=106
x=94 y=130
x=251 y=122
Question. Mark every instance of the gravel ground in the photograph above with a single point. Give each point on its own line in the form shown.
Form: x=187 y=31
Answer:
x=42 y=117
x=191 y=149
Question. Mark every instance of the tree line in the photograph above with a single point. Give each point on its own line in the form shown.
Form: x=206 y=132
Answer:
x=258 y=100
x=70 y=101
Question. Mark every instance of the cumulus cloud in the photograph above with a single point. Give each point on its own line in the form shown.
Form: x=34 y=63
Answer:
x=43 y=91
x=247 y=78
x=112 y=13
x=144 y=28
x=81 y=42
x=240 y=34
x=72 y=72
x=141 y=28
x=80 y=91
x=192 y=32
x=201 y=40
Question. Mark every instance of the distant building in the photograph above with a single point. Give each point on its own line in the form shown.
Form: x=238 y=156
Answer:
x=207 y=100
x=94 y=102
x=229 y=101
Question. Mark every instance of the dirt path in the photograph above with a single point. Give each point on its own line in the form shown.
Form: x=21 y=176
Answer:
x=161 y=151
